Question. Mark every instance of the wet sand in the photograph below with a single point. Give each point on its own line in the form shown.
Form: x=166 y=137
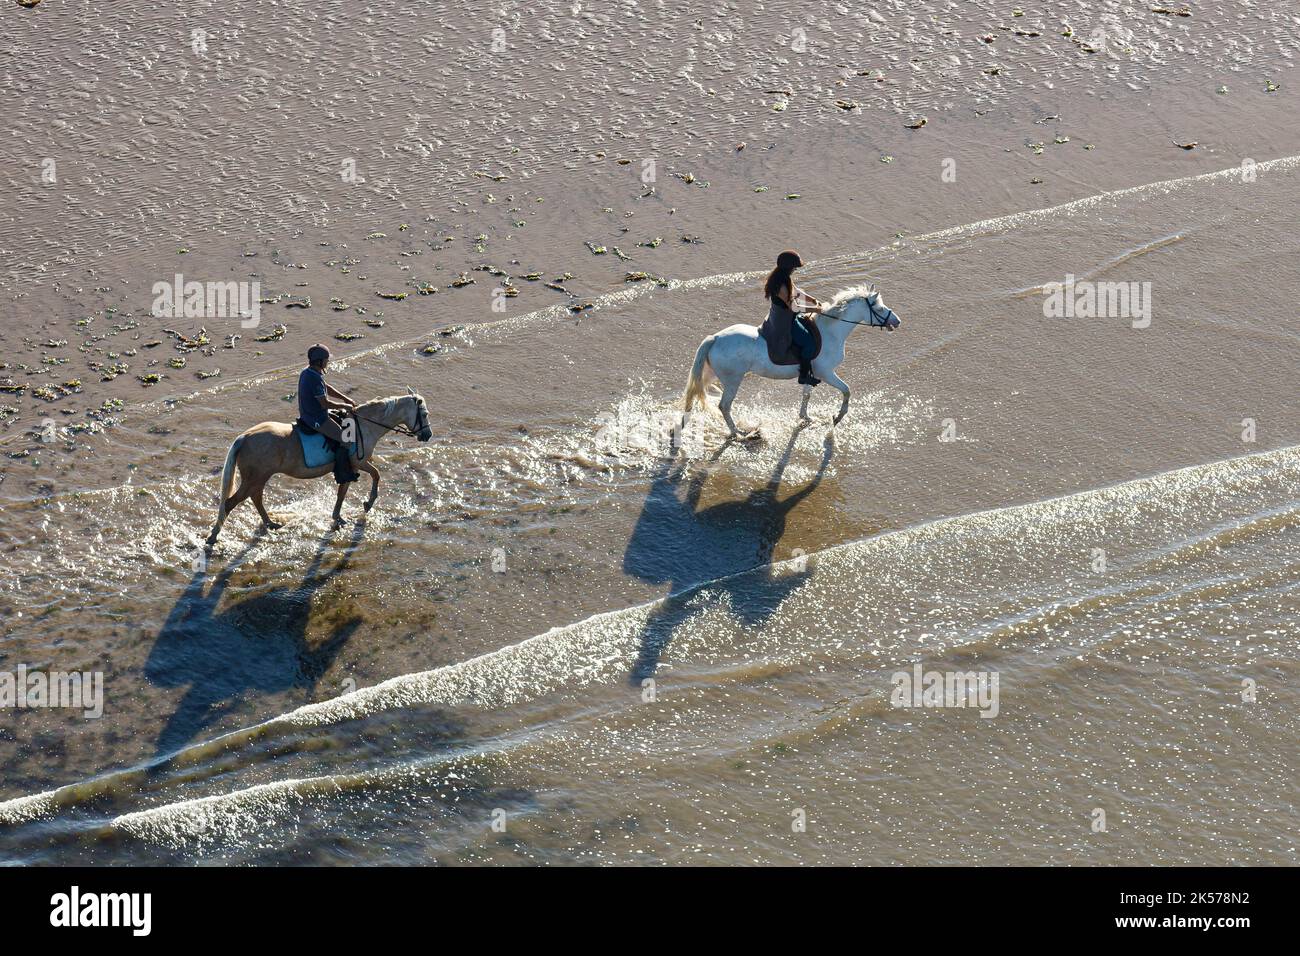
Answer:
x=623 y=562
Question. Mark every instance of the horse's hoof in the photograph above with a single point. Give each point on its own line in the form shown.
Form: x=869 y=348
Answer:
x=273 y=525
x=369 y=505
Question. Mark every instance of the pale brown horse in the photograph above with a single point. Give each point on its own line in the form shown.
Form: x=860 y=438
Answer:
x=272 y=448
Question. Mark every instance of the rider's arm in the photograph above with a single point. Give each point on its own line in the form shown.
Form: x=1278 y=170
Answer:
x=327 y=403
x=343 y=400
x=808 y=297
x=339 y=395
x=804 y=306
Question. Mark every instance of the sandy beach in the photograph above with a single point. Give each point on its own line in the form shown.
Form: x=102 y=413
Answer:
x=532 y=215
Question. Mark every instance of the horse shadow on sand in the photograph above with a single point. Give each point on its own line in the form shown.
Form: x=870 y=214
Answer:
x=676 y=543
x=258 y=644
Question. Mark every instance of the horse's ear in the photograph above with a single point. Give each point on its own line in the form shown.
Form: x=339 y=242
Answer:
x=409 y=390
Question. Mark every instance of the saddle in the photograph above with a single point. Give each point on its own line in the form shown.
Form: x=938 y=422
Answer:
x=791 y=357
x=318 y=449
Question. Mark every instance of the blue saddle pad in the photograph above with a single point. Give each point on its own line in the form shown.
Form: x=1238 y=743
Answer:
x=314 y=450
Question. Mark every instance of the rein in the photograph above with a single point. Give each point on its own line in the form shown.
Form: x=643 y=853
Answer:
x=401 y=427
x=881 y=324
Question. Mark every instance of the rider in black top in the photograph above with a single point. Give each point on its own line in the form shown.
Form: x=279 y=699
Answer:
x=783 y=326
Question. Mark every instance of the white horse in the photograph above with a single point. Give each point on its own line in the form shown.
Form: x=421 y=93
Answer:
x=739 y=349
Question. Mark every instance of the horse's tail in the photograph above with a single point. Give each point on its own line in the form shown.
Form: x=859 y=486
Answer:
x=695 y=384
x=228 y=475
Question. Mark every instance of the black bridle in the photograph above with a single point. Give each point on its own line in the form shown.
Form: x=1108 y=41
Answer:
x=878 y=321
x=421 y=421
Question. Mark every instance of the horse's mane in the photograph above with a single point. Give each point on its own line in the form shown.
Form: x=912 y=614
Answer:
x=845 y=296
x=376 y=403
x=382 y=401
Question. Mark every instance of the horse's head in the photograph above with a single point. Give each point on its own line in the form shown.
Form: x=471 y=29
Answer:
x=864 y=306
x=416 y=416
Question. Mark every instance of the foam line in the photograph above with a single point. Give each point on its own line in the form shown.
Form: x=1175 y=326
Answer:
x=552 y=661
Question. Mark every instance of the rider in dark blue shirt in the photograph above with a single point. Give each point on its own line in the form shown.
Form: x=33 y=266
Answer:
x=311 y=389
x=316 y=397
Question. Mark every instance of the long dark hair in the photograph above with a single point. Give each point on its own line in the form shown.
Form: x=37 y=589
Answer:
x=780 y=277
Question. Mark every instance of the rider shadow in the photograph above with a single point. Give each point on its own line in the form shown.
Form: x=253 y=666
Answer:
x=259 y=644
x=676 y=543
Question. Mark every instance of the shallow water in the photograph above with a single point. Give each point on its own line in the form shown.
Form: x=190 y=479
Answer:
x=771 y=670
x=476 y=650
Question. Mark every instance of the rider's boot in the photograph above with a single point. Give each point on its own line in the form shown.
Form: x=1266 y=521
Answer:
x=343 y=472
x=805 y=373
